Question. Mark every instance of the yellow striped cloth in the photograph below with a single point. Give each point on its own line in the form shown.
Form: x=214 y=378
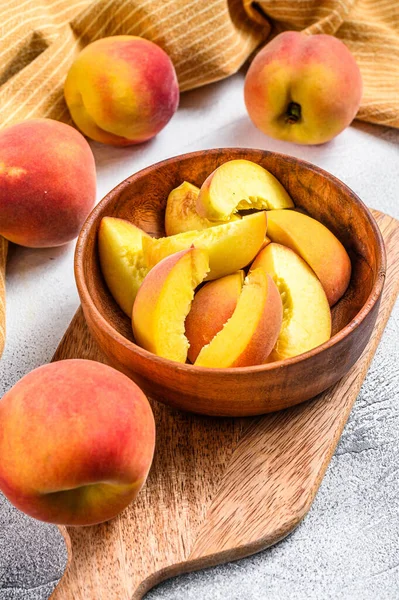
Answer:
x=206 y=39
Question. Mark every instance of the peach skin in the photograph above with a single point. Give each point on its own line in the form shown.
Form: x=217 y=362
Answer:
x=230 y=246
x=121 y=90
x=47 y=183
x=240 y=185
x=76 y=440
x=303 y=88
x=317 y=245
x=212 y=307
x=306 y=313
x=163 y=303
x=121 y=259
x=181 y=211
x=249 y=335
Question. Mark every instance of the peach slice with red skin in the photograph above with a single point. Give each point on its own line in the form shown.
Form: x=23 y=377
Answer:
x=230 y=246
x=212 y=307
x=240 y=185
x=249 y=335
x=317 y=245
x=163 y=303
x=306 y=313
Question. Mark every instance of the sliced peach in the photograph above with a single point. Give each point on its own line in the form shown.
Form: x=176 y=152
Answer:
x=121 y=258
x=317 y=245
x=250 y=334
x=212 y=307
x=239 y=185
x=163 y=303
x=230 y=246
x=266 y=241
x=181 y=211
x=306 y=313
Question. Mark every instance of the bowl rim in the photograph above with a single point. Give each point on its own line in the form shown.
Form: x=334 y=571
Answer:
x=87 y=299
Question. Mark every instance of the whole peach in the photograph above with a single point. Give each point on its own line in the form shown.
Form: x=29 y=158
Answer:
x=304 y=89
x=47 y=183
x=122 y=90
x=76 y=442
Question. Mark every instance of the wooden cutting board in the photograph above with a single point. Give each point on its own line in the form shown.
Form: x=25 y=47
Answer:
x=219 y=489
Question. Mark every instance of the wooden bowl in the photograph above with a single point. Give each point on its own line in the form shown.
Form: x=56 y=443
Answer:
x=246 y=390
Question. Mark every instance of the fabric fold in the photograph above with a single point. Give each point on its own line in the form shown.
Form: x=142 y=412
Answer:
x=207 y=40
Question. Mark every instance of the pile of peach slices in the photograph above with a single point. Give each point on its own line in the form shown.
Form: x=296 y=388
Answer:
x=264 y=298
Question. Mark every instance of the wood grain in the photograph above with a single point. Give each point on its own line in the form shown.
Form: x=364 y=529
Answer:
x=3 y=259
x=219 y=489
x=242 y=391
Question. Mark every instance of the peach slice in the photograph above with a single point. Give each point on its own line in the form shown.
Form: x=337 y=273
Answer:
x=212 y=307
x=181 y=211
x=250 y=334
x=317 y=245
x=306 y=313
x=121 y=258
x=230 y=246
x=163 y=303
x=239 y=185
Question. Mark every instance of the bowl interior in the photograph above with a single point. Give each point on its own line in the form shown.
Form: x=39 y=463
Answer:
x=142 y=198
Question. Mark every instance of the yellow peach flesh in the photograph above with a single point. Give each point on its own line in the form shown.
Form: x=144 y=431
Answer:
x=230 y=246
x=163 y=303
x=212 y=307
x=121 y=259
x=239 y=185
x=250 y=334
x=181 y=211
x=306 y=313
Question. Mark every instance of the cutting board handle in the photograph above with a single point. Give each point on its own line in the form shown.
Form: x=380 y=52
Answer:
x=3 y=259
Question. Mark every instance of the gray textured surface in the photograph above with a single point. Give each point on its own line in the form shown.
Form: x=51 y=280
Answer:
x=32 y=556
x=347 y=547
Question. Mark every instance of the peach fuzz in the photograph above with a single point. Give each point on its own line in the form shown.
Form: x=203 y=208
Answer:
x=76 y=440
x=306 y=313
x=121 y=90
x=212 y=307
x=303 y=88
x=230 y=246
x=47 y=183
x=121 y=259
x=317 y=245
x=181 y=211
x=163 y=303
x=250 y=334
x=240 y=185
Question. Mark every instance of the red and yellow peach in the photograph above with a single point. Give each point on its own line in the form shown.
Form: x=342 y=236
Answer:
x=76 y=440
x=47 y=183
x=121 y=90
x=304 y=89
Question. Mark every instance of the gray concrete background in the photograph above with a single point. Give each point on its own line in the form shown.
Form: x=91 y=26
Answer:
x=347 y=546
